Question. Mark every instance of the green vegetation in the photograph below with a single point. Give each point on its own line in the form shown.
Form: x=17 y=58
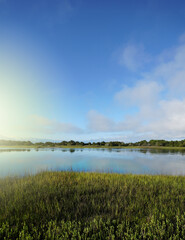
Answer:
x=15 y=143
x=112 y=144
x=70 y=205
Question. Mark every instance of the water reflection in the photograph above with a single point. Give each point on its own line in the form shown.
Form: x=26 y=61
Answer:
x=131 y=160
x=72 y=150
x=163 y=151
x=14 y=150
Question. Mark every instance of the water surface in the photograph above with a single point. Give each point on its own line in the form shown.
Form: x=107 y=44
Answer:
x=137 y=161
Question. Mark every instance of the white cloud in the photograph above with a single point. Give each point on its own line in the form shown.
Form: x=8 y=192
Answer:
x=134 y=57
x=167 y=121
x=171 y=72
x=171 y=121
x=48 y=126
x=143 y=93
x=160 y=99
x=99 y=123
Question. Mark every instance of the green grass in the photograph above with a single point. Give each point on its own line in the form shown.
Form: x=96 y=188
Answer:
x=71 y=205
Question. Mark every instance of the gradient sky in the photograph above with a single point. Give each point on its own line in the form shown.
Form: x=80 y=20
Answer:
x=92 y=70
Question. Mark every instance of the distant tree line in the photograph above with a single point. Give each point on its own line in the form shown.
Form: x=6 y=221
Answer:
x=143 y=143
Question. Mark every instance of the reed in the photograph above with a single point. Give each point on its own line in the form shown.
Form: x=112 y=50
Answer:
x=79 y=205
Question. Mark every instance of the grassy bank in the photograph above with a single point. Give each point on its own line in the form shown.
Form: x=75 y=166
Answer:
x=91 y=146
x=69 y=205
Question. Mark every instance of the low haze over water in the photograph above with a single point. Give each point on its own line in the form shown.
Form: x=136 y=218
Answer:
x=138 y=161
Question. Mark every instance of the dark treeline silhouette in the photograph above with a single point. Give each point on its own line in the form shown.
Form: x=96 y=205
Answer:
x=143 y=143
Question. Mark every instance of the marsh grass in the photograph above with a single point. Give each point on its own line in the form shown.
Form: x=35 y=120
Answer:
x=73 y=205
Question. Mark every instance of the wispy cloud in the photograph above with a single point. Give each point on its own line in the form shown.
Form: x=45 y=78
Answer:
x=48 y=126
x=99 y=123
x=182 y=38
x=133 y=57
x=143 y=93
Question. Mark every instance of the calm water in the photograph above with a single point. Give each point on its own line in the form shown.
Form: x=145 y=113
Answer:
x=149 y=161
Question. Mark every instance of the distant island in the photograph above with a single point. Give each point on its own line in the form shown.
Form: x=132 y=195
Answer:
x=111 y=144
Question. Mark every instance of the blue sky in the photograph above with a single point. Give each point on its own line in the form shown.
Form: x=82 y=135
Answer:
x=92 y=70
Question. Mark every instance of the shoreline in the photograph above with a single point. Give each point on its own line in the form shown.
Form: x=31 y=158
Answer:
x=98 y=147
